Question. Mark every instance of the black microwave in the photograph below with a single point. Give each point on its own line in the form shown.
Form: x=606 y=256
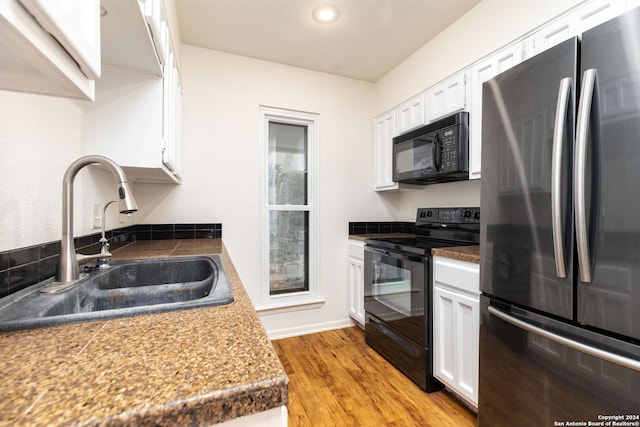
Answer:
x=437 y=152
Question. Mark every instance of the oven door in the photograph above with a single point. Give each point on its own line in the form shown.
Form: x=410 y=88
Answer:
x=395 y=291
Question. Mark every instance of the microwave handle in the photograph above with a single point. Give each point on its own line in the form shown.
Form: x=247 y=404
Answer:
x=436 y=152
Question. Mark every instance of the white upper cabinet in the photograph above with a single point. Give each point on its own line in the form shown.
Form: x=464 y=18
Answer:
x=555 y=33
x=583 y=18
x=447 y=97
x=137 y=117
x=172 y=117
x=596 y=12
x=463 y=90
x=73 y=24
x=480 y=73
x=157 y=19
x=135 y=121
x=383 y=133
x=128 y=43
x=411 y=114
x=50 y=50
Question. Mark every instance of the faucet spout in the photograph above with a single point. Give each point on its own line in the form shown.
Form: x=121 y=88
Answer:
x=68 y=264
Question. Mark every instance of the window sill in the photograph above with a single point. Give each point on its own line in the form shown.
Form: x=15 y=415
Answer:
x=289 y=306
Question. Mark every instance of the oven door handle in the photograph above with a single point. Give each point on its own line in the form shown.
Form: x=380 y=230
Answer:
x=396 y=255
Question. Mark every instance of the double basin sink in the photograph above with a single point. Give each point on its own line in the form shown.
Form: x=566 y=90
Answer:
x=125 y=288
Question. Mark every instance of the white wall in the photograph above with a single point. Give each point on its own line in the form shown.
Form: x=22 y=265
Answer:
x=222 y=164
x=484 y=29
x=39 y=137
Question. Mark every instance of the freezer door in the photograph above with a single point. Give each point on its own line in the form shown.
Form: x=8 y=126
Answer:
x=527 y=156
x=609 y=280
x=527 y=380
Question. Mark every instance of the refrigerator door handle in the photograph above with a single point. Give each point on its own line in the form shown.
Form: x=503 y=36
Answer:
x=582 y=130
x=564 y=95
x=607 y=356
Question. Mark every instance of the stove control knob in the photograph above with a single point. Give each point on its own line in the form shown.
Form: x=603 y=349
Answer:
x=422 y=214
x=467 y=214
x=429 y=214
x=476 y=215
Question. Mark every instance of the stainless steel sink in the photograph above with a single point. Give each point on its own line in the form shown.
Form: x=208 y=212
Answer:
x=126 y=288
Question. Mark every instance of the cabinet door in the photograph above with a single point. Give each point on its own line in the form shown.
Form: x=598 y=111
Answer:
x=447 y=97
x=356 y=290
x=443 y=336
x=75 y=24
x=384 y=131
x=456 y=325
x=467 y=319
x=128 y=42
x=356 y=281
x=596 y=12
x=172 y=117
x=583 y=18
x=411 y=114
x=555 y=33
x=156 y=17
x=480 y=73
x=456 y=336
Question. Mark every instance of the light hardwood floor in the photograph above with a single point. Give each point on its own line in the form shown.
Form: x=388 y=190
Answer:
x=335 y=379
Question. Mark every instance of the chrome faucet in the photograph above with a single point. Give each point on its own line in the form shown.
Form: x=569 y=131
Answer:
x=68 y=265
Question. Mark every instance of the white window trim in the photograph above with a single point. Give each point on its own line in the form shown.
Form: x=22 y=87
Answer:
x=313 y=295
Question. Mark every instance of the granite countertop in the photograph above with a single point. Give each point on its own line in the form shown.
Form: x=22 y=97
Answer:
x=192 y=367
x=461 y=253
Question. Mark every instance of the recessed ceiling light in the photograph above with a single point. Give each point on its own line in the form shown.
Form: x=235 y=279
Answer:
x=326 y=13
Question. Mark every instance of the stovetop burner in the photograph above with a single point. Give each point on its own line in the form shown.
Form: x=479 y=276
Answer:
x=436 y=228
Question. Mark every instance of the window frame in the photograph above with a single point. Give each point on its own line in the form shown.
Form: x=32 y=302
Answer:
x=312 y=122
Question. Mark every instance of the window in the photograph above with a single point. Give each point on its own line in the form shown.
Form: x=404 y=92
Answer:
x=289 y=214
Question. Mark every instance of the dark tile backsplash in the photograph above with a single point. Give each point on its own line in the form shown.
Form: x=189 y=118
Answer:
x=381 y=227
x=178 y=231
x=23 y=267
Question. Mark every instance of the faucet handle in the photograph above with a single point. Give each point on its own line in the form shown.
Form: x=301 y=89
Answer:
x=82 y=259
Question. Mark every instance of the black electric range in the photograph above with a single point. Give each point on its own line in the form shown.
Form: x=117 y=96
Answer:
x=436 y=228
x=398 y=293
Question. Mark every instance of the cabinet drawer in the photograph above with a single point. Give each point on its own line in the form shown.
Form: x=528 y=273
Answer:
x=458 y=275
x=356 y=249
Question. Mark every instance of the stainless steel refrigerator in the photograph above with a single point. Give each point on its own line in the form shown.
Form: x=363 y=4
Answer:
x=560 y=235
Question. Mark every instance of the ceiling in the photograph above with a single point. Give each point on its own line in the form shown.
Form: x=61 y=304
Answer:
x=369 y=39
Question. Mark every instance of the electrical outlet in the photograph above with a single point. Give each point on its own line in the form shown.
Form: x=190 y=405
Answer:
x=97 y=216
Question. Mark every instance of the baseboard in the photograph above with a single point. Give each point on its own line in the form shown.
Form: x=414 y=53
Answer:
x=309 y=329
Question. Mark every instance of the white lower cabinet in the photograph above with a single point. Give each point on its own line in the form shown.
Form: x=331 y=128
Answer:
x=356 y=281
x=456 y=300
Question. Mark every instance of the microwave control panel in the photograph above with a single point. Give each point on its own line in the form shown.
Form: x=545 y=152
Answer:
x=449 y=151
